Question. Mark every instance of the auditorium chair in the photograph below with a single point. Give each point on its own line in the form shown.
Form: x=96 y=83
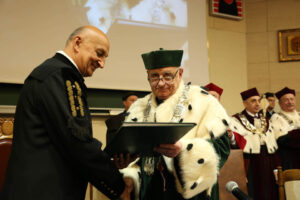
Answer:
x=289 y=184
x=6 y=133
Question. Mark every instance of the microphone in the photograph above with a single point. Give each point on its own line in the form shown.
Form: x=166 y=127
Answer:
x=233 y=188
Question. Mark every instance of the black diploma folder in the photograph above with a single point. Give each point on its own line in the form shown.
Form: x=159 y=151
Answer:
x=141 y=137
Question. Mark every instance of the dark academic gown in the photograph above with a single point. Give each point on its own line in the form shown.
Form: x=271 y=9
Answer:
x=269 y=114
x=113 y=124
x=289 y=149
x=54 y=155
x=259 y=168
x=154 y=188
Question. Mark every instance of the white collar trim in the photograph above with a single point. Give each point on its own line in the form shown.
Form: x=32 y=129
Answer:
x=69 y=58
x=251 y=114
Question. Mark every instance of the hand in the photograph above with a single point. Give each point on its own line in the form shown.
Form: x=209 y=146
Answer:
x=169 y=150
x=128 y=189
x=275 y=172
x=121 y=161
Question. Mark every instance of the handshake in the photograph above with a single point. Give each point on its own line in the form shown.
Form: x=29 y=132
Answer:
x=122 y=161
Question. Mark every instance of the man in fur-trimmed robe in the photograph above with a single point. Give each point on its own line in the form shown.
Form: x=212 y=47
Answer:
x=189 y=168
x=255 y=136
x=287 y=129
x=214 y=90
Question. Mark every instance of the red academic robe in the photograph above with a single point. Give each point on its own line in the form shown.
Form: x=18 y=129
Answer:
x=259 y=167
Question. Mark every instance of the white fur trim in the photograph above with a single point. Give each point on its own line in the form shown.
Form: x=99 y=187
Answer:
x=205 y=111
x=281 y=126
x=169 y=163
x=132 y=171
x=210 y=116
x=214 y=126
x=203 y=174
x=253 y=141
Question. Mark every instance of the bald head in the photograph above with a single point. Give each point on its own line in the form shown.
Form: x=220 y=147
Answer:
x=83 y=30
x=88 y=47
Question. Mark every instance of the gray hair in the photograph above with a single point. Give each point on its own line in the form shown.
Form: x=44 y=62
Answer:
x=75 y=33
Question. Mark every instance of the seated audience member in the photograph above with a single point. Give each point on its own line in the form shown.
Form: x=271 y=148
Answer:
x=189 y=168
x=287 y=129
x=214 y=90
x=271 y=100
x=114 y=123
x=254 y=135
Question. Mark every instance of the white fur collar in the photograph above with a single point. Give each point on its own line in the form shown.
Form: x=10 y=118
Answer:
x=295 y=116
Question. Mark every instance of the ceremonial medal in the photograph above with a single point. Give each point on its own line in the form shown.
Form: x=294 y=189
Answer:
x=180 y=107
x=178 y=112
x=149 y=166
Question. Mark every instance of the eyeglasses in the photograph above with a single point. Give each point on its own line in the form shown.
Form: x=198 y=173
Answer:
x=167 y=78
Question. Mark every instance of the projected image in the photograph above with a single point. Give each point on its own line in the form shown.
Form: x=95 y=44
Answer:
x=104 y=13
x=133 y=27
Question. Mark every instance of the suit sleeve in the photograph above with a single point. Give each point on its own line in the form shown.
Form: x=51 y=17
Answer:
x=71 y=133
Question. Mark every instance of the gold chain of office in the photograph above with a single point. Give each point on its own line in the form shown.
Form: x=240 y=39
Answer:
x=252 y=128
x=179 y=110
x=289 y=121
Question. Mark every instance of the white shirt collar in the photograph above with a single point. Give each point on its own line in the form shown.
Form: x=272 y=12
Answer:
x=69 y=58
x=251 y=114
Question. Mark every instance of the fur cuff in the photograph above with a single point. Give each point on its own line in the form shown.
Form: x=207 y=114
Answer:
x=133 y=171
x=198 y=162
x=216 y=127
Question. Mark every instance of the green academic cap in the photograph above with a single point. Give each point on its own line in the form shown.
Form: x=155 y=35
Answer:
x=162 y=58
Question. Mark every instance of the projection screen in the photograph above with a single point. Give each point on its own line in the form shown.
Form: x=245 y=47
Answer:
x=33 y=30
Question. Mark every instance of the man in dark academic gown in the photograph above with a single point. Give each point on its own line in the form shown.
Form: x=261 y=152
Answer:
x=271 y=100
x=254 y=135
x=115 y=122
x=189 y=168
x=54 y=154
x=287 y=129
